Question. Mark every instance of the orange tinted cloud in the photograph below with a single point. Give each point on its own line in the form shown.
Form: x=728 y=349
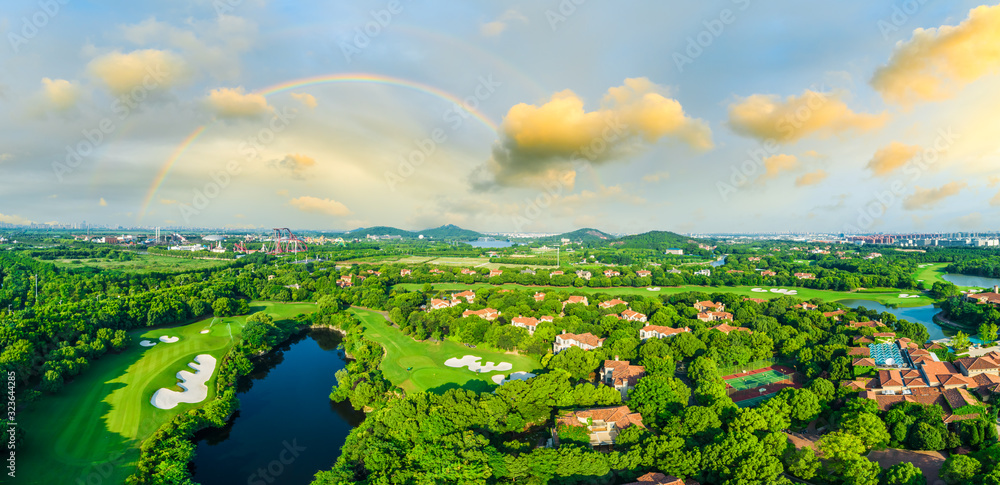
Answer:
x=928 y=198
x=936 y=63
x=321 y=206
x=234 y=103
x=891 y=157
x=768 y=117
x=811 y=178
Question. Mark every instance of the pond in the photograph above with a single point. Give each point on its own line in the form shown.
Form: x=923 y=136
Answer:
x=286 y=429
x=973 y=281
x=923 y=315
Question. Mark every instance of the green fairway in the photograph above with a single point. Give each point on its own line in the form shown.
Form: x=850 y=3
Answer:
x=144 y=263
x=92 y=428
x=887 y=298
x=426 y=360
x=932 y=273
x=756 y=380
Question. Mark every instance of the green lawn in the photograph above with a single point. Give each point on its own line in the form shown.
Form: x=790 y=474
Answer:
x=144 y=263
x=932 y=274
x=427 y=359
x=94 y=426
x=803 y=293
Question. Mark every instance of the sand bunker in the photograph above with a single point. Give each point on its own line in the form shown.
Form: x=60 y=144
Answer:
x=784 y=291
x=147 y=343
x=654 y=289
x=194 y=385
x=905 y=295
x=205 y=331
x=472 y=362
x=517 y=376
x=168 y=340
x=758 y=290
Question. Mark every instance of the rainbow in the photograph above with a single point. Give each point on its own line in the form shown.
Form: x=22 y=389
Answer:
x=181 y=149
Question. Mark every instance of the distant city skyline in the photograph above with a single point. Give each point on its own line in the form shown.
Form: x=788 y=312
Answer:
x=725 y=116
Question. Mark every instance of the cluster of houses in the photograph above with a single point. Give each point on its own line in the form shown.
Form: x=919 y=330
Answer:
x=988 y=298
x=958 y=387
x=712 y=312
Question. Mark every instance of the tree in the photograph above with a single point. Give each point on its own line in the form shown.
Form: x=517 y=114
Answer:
x=823 y=388
x=578 y=362
x=904 y=474
x=805 y=405
x=960 y=341
x=923 y=436
x=861 y=471
x=657 y=397
x=802 y=463
x=222 y=307
x=959 y=469
x=839 y=448
x=988 y=332
x=868 y=427
x=943 y=289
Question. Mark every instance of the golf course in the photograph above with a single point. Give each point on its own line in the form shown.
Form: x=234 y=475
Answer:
x=883 y=297
x=420 y=365
x=91 y=430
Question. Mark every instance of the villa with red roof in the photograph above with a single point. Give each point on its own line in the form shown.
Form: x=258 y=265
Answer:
x=704 y=306
x=469 y=271
x=612 y=303
x=405 y=272
x=576 y=299
x=768 y=272
x=656 y=478
x=714 y=316
x=644 y=273
x=539 y=296
x=622 y=376
x=868 y=324
x=468 y=295
x=658 y=331
x=610 y=273
x=436 y=271
x=726 y=328
x=557 y=273
x=836 y=315
x=546 y=318
x=755 y=300
x=437 y=304
x=527 y=323
x=992 y=297
x=806 y=306
x=495 y=272
x=603 y=424
x=485 y=313
x=805 y=276
x=586 y=341
x=633 y=316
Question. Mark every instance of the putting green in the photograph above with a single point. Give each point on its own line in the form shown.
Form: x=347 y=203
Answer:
x=427 y=359
x=886 y=298
x=91 y=430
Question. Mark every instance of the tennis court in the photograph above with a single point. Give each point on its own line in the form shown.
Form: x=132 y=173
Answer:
x=760 y=379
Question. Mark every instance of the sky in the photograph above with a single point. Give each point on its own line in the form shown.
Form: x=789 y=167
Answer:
x=527 y=116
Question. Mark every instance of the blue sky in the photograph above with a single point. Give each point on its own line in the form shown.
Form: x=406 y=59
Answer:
x=733 y=115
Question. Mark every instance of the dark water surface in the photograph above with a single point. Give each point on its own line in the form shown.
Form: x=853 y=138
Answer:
x=287 y=428
x=923 y=315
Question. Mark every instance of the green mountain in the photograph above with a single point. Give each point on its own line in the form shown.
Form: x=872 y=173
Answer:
x=380 y=231
x=659 y=240
x=450 y=231
x=586 y=235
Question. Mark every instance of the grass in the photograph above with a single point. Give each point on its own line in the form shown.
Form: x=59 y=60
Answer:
x=756 y=380
x=144 y=263
x=97 y=422
x=426 y=359
x=888 y=298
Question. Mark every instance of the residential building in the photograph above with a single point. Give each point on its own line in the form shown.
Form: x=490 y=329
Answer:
x=539 y=296
x=992 y=297
x=657 y=331
x=868 y=324
x=756 y=300
x=468 y=295
x=714 y=316
x=643 y=273
x=753 y=258
x=656 y=478
x=726 y=328
x=436 y=271
x=621 y=375
x=469 y=271
x=405 y=272
x=611 y=273
x=633 y=316
x=557 y=273
x=768 y=272
x=584 y=274
x=704 y=272
x=437 y=304
x=586 y=341
x=674 y=251
x=603 y=424
x=495 y=272
x=485 y=313
x=576 y=299
x=835 y=315
x=805 y=276
x=806 y=306
x=546 y=318
x=704 y=306
x=612 y=303
x=527 y=323
x=674 y=271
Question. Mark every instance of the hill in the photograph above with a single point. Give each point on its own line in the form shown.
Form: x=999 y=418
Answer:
x=660 y=241
x=380 y=231
x=450 y=231
x=586 y=235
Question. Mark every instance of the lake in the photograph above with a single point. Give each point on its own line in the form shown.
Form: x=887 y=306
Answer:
x=286 y=426
x=923 y=315
x=490 y=244
x=974 y=281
